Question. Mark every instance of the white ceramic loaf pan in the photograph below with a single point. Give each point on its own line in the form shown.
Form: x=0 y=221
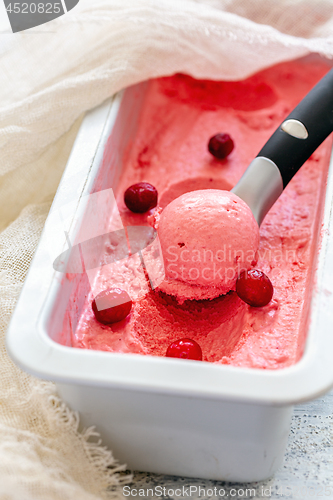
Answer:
x=161 y=415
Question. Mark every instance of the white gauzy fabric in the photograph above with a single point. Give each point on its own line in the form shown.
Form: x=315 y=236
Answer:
x=49 y=77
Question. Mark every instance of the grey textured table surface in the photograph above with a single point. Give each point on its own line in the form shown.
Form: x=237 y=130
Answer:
x=307 y=471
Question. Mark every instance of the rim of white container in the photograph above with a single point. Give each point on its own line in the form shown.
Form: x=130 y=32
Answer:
x=30 y=347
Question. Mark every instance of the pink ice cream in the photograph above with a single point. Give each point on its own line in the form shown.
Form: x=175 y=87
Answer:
x=169 y=150
x=207 y=238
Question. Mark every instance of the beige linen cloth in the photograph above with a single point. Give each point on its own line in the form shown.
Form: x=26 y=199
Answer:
x=49 y=76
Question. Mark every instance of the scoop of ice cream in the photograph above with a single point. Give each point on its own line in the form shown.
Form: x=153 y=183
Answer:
x=207 y=238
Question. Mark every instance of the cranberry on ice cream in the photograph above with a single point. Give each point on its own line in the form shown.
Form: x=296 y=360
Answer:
x=140 y=197
x=184 y=349
x=111 y=305
x=220 y=145
x=254 y=287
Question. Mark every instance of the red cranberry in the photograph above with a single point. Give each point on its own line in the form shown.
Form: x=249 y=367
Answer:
x=184 y=349
x=111 y=305
x=141 y=197
x=254 y=287
x=220 y=145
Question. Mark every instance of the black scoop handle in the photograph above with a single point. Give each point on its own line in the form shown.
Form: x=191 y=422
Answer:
x=315 y=113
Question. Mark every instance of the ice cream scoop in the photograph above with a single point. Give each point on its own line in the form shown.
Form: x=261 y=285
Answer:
x=288 y=148
x=202 y=232
x=207 y=237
